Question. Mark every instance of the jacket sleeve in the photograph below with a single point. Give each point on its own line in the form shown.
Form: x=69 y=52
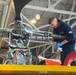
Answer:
x=69 y=33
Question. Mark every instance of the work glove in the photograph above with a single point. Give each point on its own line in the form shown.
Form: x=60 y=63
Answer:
x=57 y=45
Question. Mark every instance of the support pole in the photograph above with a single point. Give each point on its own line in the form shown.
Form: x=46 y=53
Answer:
x=4 y=15
x=7 y=17
x=8 y=13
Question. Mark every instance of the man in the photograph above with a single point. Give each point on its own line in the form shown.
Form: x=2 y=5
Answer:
x=67 y=44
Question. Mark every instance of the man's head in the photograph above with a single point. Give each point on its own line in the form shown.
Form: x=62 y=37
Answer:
x=53 y=22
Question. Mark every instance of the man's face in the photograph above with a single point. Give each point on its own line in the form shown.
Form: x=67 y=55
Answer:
x=54 y=23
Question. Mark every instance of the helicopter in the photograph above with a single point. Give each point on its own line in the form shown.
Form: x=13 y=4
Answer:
x=20 y=51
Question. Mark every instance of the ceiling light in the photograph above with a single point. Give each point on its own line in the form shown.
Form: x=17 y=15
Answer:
x=37 y=16
x=33 y=21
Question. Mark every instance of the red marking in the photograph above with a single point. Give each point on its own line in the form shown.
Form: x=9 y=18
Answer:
x=53 y=63
x=71 y=56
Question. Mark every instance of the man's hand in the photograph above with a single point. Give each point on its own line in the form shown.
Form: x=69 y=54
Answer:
x=57 y=45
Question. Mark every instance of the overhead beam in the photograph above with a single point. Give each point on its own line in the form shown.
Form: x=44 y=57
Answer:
x=69 y=18
x=29 y=22
x=60 y=16
x=72 y=9
x=49 y=4
x=50 y=10
x=44 y=26
x=58 y=1
x=4 y=2
x=73 y=24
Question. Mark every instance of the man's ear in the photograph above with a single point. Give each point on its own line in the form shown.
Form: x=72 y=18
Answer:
x=55 y=20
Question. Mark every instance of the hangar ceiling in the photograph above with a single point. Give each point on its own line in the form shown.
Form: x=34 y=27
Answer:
x=39 y=7
x=66 y=5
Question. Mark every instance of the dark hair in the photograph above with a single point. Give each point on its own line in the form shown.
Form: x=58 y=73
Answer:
x=51 y=19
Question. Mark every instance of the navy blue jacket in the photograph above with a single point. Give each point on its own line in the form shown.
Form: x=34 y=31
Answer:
x=65 y=30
